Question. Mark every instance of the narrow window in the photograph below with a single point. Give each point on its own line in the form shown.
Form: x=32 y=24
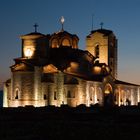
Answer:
x=17 y=94
x=55 y=95
x=97 y=51
x=54 y=43
x=69 y=94
x=90 y=96
x=45 y=97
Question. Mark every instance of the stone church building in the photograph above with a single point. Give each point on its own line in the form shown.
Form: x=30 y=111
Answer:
x=52 y=70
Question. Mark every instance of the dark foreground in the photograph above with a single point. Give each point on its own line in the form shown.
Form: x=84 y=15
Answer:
x=69 y=123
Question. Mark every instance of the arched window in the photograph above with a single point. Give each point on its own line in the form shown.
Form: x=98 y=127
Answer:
x=54 y=43
x=74 y=44
x=68 y=94
x=45 y=97
x=66 y=42
x=108 y=89
x=92 y=93
x=71 y=94
x=17 y=93
x=55 y=96
x=97 y=51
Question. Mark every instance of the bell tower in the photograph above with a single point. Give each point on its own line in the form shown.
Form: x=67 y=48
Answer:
x=102 y=44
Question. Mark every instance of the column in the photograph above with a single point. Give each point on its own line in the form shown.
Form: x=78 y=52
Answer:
x=5 y=100
x=60 y=88
x=37 y=84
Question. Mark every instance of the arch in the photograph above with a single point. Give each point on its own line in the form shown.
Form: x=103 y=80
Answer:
x=74 y=43
x=95 y=95
x=128 y=94
x=28 y=51
x=17 y=91
x=66 y=42
x=108 y=89
x=97 y=51
x=54 y=43
x=100 y=96
x=55 y=95
x=68 y=94
x=108 y=95
x=92 y=92
x=72 y=91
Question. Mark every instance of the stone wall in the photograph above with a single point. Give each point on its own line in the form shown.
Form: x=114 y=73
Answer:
x=59 y=81
x=81 y=92
x=24 y=81
x=71 y=95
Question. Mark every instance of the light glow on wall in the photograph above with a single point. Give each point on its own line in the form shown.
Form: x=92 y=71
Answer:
x=132 y=98
x=138 y=95
x=28 y=52
x=97 y=70
x=5 y=101
x=108 y=89
x=119 y=94
x=95 y=96
x=50 y=69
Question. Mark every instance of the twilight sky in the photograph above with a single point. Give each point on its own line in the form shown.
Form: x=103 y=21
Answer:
x=121 y=16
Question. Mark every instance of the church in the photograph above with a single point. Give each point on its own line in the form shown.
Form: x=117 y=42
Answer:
x=52 y=70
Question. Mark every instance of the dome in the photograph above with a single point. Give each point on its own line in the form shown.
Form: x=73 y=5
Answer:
x=63 y=38
x=32 y=35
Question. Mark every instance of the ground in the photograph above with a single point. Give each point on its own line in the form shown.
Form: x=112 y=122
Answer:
x=82 y=123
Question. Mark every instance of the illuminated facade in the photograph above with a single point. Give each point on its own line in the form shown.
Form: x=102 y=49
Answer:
x=53 y=71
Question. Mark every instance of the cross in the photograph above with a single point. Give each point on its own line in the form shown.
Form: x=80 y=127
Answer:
x=101 y=24
x=35 y=26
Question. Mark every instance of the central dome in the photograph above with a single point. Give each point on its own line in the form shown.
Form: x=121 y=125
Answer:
x=64 y=38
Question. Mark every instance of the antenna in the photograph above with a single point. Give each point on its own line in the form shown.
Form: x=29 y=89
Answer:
x=92 y=23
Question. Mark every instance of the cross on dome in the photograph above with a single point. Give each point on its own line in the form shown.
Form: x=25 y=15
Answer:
x=35 y=26
x=101 y=25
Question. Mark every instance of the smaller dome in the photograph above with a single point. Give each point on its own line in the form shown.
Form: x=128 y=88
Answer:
x=100 y=69
x=32 y=35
